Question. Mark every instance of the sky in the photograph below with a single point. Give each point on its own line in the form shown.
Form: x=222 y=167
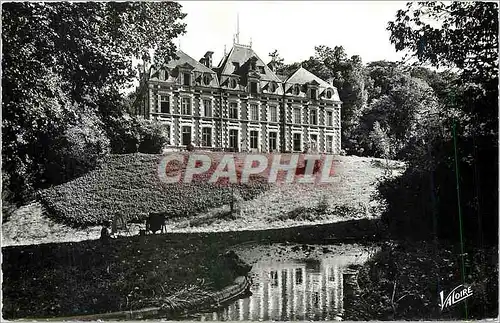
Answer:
x=294 y=28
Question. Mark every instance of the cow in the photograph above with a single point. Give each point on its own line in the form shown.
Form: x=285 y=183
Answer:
x=156 y=222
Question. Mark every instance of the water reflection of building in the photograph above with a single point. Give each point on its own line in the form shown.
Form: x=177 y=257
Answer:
x=290 y=291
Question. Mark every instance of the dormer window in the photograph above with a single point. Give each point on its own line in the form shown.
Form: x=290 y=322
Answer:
x=296 y=89
x=187 y=79
x=163 y=75
x=253 y=63
x=233 y=83
x=207 y=78
x=272 y=87
x=313 y=94
x=253 y=87
x=261 y=70
x=329 y=94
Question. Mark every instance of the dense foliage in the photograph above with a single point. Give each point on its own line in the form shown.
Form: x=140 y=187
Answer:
x=403 y=281
x=62 y=66
x=436 y=189
x=408 y=112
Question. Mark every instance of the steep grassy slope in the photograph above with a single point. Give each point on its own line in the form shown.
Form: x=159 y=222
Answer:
x=129 y=185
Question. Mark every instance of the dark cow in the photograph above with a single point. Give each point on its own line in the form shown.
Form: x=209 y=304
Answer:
x=156 y=222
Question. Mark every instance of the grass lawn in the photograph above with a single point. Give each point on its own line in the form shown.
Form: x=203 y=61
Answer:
x=350 y=196
x=128 y=185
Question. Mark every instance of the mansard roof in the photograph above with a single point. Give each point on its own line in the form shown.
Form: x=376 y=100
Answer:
x=302 y=76
x=242 y=55
x=186 y=62
x=184 y=58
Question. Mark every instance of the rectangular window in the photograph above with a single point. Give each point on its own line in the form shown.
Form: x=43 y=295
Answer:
x=186 y=106
x=329 y=144
x=314 y=116
x=274 y=114
x=253 y=87
x=207 y=107
x=296 y=115
x=314 y=142
x=254 y=139
x=186 y=135
x=254 y=112
x=296 y=142
x=206 y=137
x=187 y=79
x=167 y=131
x=273 y=141
x=329 y=118
x=164 y=104
x=233 y=110
x=233 y=139
x=261 y=70
x=273 y=275
x=313 y=94
x=298 y=276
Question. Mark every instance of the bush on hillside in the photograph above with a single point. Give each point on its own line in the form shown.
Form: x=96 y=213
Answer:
x=153 y=136
x=133 y=134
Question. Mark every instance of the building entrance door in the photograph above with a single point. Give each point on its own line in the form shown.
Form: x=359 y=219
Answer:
x=233 y=140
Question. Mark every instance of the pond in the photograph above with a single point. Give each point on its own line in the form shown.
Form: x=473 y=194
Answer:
x=294 y=282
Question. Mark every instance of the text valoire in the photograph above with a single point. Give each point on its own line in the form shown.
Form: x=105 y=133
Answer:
x=458 y=294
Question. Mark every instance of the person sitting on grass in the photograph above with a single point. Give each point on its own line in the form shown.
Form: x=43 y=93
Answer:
x=114 y=226
x=105 y=234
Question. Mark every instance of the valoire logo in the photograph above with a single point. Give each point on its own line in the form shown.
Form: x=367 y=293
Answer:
x=458 y=294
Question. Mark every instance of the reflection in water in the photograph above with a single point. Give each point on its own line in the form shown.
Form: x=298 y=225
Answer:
x=292 y=290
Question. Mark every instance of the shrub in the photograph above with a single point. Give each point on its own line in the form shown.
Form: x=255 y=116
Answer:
x=153 y=136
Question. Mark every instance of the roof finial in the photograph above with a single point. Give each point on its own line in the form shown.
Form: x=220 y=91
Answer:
x=250 y=42
x=238 y=28
x=224 y=49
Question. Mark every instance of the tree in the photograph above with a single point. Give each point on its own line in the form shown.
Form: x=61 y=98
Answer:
x=465 y=36
x=380 y=141
x=59 y=60
x=278 y=61
x=349 y=77
x=462 y=35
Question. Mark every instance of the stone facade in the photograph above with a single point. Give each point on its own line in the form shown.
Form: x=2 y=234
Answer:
x=242 y=105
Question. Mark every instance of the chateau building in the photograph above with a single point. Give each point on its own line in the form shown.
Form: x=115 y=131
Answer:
x=242 y=105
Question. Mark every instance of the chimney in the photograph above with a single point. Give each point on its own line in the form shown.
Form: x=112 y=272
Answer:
x=208 y=59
